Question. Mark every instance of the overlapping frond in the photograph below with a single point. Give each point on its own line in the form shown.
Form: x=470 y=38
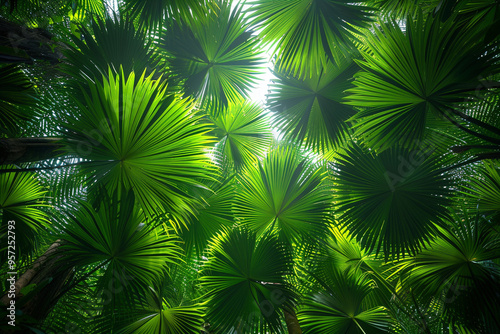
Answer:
x=135 y=135
x=310 y=110
x=309 y=33
x=457 y=269
x=217 y=58
x=16 y=93
x=109 y=44
x=340 y=307
x=21 y=200
x=244 y=277
x=120 y=241
x=284 y=194
x=391 y=201
x=407 y=75
x=244 y=133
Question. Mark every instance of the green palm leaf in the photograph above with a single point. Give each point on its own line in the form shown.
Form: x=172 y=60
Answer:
x=340 y=308
x=15 y=93
x=243 y=131
x=409 y=75
x=485 y=188
x=310 y=109
x=160 y=317
x=244 y=278
x=21 y=198
x=284 y=194
x=391 y=201
x=217 y=58
x=111 y=43
x=119 y=240
x=309 y=33
x=402 y=9
x=152 y=13
x=137 y=136
x=458 y=270
x=211 y=216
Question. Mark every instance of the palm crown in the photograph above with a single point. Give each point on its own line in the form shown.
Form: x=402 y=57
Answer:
x=141 y=191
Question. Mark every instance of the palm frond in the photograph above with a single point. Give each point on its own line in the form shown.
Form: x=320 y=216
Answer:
x=392 y=201
x=284 y=194
x=339 y=308
x=484 y=187
x=408 y=75
x=217 y=58
x=21 y=200
x=152 y=13
x=310 y=109
x=118 y=239
x=458 y=270
x=244 y=133
x=244 y=277
x=136 y=135
x=16 y=93
x=111 y=43
x=309 y=33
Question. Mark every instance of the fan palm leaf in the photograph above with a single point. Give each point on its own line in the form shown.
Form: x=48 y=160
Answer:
x=152 y=13
x=408 y=75
x=485 y=189
x=119 y=240
x=243 y=131
x=391 y=201
x=16 y=93
x=136 y=135
x=284 y=194
x=459 y=269
x=244 y=277
x=111 y=43
x=340 y=307
x=217 y=58
x=308 y=33
x=21 y=200
x=310 y=109
x=157 y=315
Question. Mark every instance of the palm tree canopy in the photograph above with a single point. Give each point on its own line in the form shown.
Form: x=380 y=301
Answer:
x=142 y=190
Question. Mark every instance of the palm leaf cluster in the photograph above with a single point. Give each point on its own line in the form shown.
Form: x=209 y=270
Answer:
x=151 y=195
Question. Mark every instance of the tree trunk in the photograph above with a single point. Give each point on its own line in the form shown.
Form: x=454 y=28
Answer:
x=28 y=275
x=18 y=150
x=45 y=270
x=292 y=323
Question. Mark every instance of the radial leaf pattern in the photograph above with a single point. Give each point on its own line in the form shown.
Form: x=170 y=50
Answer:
x=283 y=194
x=137 y=136
x=407 y=75
x=21 y=198
x=217 y=58
x=243 y=131
x=121 y=241
x=244 y=277
x=342 y=308
x=391 y=201
x=309 y=33
x=457 y=269
x=310 y=109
